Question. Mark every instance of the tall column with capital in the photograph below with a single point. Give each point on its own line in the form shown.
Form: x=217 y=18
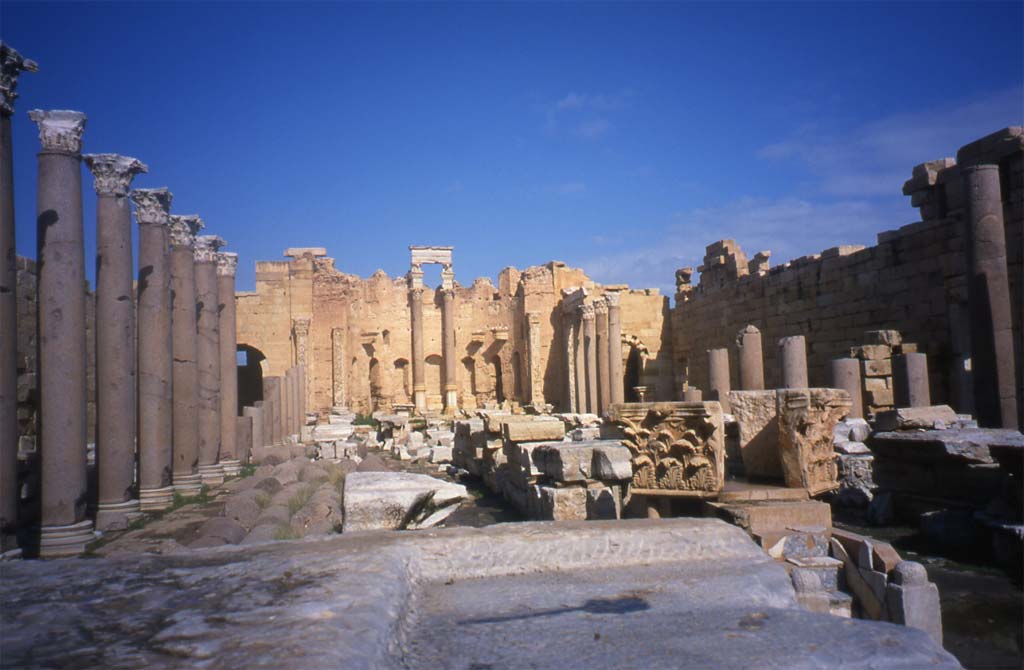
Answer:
x=580 y=361
x=451 y=389
x=338 y=367
x=115 y=339
x=615 y=348
x=61 y=287
x=11 y=64
x=603 y=373
x=185 y=387
x=208 y=358
x=590 y=356
x=300 y=329
x=533 y=355
x=993 y=366
x=419 y=385
x=155 y=404
x=288 y=403
x=569 y=332
x=227 y=264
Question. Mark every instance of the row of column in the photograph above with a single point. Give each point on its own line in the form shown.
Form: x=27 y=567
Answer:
x=910 y=372
x=278 y=418
x=184 y=394
x=593 y=346
x=448 y=355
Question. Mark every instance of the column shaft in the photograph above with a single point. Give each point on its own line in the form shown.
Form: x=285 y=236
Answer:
x=718 y=376
x=419 y=386
x=846 y=376
x=256 y=414
x=228 y=364
x=580 y=364
x=62 y=362
x=910 y=380
x=570 y=361
x=208 y=361
x=992 y=357
x=184 y=345
x=451 y=395
x=751 y=359
x=8 y=345
x=793 y=352
x=603 y=372
x=339 y=367
x=615 y=348
x=590 y=355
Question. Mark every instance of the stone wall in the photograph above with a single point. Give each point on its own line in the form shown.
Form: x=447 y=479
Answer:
x=914 y=280
x=359 y=350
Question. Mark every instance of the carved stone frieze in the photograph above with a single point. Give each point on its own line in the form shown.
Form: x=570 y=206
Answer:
x=112 y=173
x=678 y=447
x=806 y=420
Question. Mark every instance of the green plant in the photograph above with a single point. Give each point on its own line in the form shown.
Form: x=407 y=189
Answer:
x=285 y=533
x=262 y=500
x=299 y=500
x=365 y=420
x=248 y=470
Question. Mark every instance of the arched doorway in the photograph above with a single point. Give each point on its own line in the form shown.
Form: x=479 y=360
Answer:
x=634 y=366
x=250 y=361
x=499 y=387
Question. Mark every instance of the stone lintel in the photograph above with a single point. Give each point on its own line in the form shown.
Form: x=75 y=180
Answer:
x=299 y=252
x=992 y=148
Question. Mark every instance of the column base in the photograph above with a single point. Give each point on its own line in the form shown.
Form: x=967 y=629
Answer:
x=116 y=516
x=63 y=541
x=156 y=500
x=231 y=467
x=211 y=475
x=187 y=485
x=451 y=400
x=420 y=400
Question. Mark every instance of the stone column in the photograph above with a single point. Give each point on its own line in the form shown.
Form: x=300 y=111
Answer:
x=185 y=387
x=846 y=376
x=992 y=357
x=419 y=385
x=272 y=404
x=154 y=349
x=588 y=315
x=615 y=348
x=61 y=286
x=244 y=426
x=11 y=64
x=255 y=413
x=288 y=402
x=693 y=395
x=533 y=355
x=910 y=380
x=282 y=403
x=603 y=376
x=568 y=319
x=580 y=362
x=793 y=354
x=451 y=388
x=208 y=358
x=751 y=359
x=227 y=264
x=300 y=330
x=339 y=368
x=718 y=377
x=115 y=340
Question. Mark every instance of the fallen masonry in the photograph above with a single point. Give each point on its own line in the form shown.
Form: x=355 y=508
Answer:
x=456 y=598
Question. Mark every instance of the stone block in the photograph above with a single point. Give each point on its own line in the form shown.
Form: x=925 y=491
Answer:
x=612 y=463
x=441 y=454
x=871 y=352
x=877 y=368
x=566 y=461
x=397 y=500
x=756 y=414
x=604 y=503
x=880 y=398
x=807 y=418
x=762 y=518
x=828 y=570
x=911 y=600
x=563 y=504
x=585 y=434
x=872 y=607
x=533 y=431
x=889 y=338
x=935 y=417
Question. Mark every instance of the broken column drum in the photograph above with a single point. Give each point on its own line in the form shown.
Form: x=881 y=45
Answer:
x=256 y=414
x=846 y=376
x=793 y=354
x=208 y=358
x=751 y=359
x=615 y=347
x=587 y=317
x=227 y=264
x=185 y=407
x=115 y=340
x=11 y=64
x=910 y=380
x=155 y=350
x=718 y=376
x=988 y=286
x=61 y=286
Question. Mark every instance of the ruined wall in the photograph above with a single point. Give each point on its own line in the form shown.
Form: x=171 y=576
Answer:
x=914 y=280
x=359 y=349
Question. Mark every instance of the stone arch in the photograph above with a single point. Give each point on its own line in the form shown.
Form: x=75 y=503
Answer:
x=250 y=375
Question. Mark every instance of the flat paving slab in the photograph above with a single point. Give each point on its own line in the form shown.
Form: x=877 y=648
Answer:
x=644 y=593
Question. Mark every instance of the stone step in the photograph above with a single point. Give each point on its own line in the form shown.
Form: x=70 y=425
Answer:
x=762 y=517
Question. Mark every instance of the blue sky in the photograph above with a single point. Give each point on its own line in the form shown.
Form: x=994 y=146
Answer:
x=621 y=138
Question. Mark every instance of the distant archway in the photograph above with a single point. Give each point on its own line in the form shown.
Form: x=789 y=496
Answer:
x=250 y=361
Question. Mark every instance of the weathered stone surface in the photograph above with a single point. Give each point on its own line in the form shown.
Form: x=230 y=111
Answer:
x=756 y=413
x=222 y=528
x=807 y=418
x=533 y=431
x=566 y=461
x=346 y=602
x=563 y=504
x=937 y=417
x=767 y=517
x=604 y=503
x=612 y=463
x=397 y=501
x=243 y=507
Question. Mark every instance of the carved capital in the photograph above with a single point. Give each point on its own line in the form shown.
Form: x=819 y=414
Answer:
x=59 y=129
x=600 y=307
x=448 y=294
x=416 y=293
x=206 y=248
x=612 y=299
x=12 y=64
x=300 y=326
x=184 y=228
x=533 y=318
x=587 y=312
x=152 y=205
x=227 y=263
x=113 y=174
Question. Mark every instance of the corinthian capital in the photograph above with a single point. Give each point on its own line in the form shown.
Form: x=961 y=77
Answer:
x=612 y=298
x=206 y=248
x=152 y=205
x=59 y=129
x=300 y=325
x=587 y=312
x=600 y=307
x=12 y=64
x=227 y=263
x=184 y=228
x=113 y=174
